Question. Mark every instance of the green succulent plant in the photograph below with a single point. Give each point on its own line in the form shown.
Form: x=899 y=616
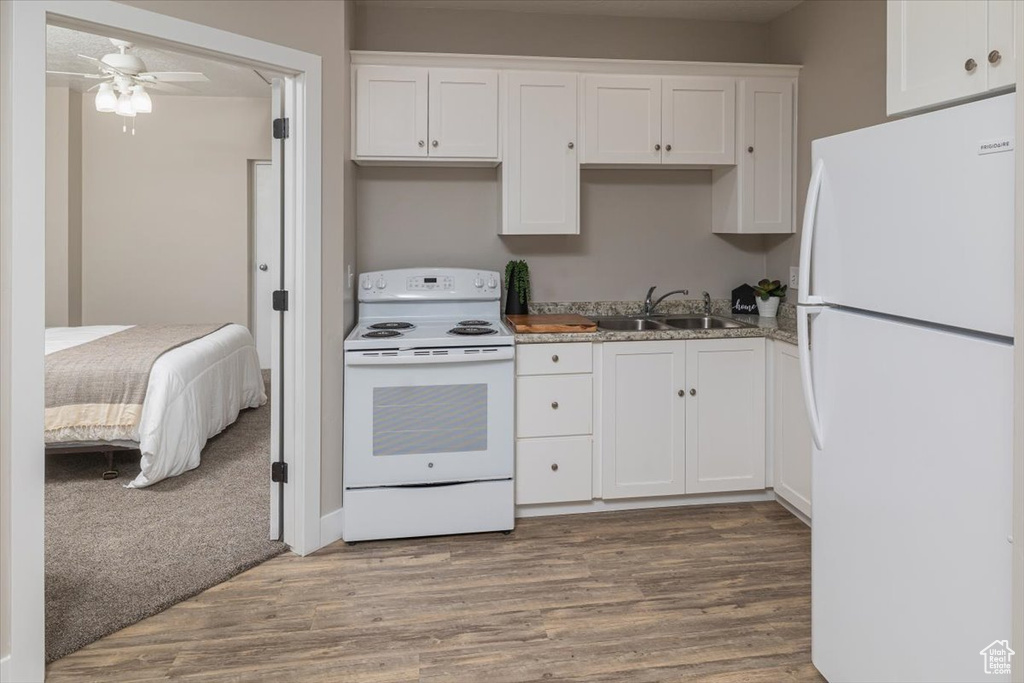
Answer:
x=766 y=289
x=517 y=274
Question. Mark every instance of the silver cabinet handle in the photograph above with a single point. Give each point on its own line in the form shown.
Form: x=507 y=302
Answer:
x=554 y=405
x=668 y=148
x=554 y=467
x=554 y=358
x=750 y=150
x=572 y=145
x=657 y=148
x=994 y=57
x=970 y=65
x=264 y=267
x=693 y=392
x=434 y=143
x=681 y=392
x=421 y=143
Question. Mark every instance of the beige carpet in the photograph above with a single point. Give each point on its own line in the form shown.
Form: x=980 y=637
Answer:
x=115 y=556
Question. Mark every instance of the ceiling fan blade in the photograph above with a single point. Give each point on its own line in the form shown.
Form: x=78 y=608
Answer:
x=167 y=87
x=72 y=73
x=179 y=76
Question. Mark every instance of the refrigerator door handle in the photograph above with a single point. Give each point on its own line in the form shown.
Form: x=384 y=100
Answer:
x=803 y=318
x=807 y=236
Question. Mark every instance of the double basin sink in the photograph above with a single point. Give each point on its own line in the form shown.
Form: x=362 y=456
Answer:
x=623 y=323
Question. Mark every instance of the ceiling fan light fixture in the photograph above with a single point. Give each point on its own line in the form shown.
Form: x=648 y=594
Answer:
x=124 y=105
x=141 y=100
x=106 y=100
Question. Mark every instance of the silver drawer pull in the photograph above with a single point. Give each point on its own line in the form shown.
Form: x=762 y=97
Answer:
x=554 y=358
x=554 y=467
x=693 y=392
x=554 y=405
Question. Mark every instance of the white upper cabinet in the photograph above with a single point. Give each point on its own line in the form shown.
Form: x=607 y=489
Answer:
x=756 y=195
x=941 y=51
x=414 y=112
x=622 y=120
x=391 y=111
x=463 y=113
x=540 y=174
x=698 y=120
x=725 y=415
x=643 y=419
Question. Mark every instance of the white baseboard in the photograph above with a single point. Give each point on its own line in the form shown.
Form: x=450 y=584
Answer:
x=597 y=505
x=331 y=526
x=791 y=509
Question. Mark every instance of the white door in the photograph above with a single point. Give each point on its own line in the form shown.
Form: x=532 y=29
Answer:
x=622 y=120
x=912 y=494
x=930 y=48
x=791 y=439
x=391 y=111
x=904 y=204
x=1003 y=50
x=264 y=265
x=643 y=413
x=463 y=113
x=698 y=120
x=725 y=415
x=766 y=162
x=540 y=172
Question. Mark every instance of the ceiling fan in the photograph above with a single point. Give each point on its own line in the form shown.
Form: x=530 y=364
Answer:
x=124 y=81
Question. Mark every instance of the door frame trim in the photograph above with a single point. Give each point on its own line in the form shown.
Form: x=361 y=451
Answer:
x=22 y=208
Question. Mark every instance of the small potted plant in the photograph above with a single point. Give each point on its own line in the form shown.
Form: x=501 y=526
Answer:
x=517 y=287
x=769 y=293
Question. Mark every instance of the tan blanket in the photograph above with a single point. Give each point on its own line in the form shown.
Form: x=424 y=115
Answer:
x=94 y=391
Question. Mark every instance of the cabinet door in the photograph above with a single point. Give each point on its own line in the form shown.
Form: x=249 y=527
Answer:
x=698 y=120
x=540 y=173
x=725 y=416
x=391 y=111
x=1003 y=54
x=464 y=113
x=792 y=434
x=622 y=120
x=929 y=43
x=643 y=415
x=766 y=161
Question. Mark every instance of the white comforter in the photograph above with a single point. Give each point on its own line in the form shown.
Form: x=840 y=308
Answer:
x=194 y=392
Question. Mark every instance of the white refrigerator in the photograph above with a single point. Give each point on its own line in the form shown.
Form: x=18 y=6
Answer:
x=906 y=354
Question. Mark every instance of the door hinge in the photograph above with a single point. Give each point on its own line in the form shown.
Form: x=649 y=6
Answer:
x=280 y=129
x=280 y=300
x=279 y=472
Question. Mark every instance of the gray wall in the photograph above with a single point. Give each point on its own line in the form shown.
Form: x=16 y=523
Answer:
x=638 y=228
x=841 y=44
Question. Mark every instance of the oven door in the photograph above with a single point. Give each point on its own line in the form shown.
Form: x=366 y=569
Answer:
x=428 y=416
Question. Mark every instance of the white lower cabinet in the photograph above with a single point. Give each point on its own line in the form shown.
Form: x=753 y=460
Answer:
x=725 y=415
x=556 y=470
x=554 y=423
x=791 y=438
x=682 y=417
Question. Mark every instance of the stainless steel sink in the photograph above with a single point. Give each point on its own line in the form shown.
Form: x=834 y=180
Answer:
x=628 y=324
x=702 y=322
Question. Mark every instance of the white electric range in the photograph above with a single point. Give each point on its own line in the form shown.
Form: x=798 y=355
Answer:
x=429 y=406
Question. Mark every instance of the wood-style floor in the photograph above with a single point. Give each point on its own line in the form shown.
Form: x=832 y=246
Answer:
x=715 y=593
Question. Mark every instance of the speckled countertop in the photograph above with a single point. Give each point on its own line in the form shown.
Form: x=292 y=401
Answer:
x=782 y=328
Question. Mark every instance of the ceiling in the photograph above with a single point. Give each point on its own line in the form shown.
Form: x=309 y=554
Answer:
x=226 y=80
x=756 y=11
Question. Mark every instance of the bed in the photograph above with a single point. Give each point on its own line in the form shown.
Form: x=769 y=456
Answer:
x=193 y=392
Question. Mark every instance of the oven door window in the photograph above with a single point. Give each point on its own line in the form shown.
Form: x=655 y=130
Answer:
x=445 y=418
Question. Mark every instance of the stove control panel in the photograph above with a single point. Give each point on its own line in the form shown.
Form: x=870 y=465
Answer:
x=430 y=284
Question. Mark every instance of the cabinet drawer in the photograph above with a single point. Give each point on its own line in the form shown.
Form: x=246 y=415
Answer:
x=554 y=406
x=553 y=470
x=553 y=359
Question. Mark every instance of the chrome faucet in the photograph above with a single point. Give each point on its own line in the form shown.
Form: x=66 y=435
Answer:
x=707 y=304
x=649 y=306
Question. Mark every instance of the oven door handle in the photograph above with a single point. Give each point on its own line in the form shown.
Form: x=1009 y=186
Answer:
x=429 y=356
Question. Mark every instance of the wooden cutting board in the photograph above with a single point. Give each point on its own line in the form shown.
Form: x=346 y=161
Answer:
x=551 y=323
